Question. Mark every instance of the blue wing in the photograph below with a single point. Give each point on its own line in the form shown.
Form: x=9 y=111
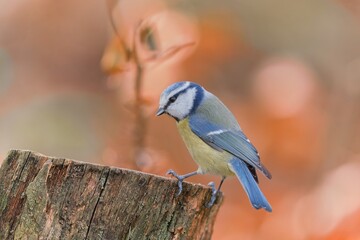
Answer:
x=230 y=140
x=252 y=189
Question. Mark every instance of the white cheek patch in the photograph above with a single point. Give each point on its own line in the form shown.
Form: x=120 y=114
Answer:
x=181 y=108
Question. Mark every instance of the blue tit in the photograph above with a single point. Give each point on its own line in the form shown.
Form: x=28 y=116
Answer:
x=214 y=139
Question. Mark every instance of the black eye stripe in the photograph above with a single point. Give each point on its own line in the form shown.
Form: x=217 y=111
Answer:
x=172 y=99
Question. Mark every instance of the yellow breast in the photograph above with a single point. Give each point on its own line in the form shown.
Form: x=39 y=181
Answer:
x=208 y=159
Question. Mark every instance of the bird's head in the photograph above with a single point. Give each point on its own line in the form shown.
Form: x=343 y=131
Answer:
x=180 y=99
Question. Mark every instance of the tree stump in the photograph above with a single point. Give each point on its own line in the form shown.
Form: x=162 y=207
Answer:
x=52 y=198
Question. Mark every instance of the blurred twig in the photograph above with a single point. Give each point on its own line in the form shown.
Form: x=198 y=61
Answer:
x=132 y=53
x=140 y=119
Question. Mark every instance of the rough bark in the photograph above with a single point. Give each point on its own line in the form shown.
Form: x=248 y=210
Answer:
x=52 y=198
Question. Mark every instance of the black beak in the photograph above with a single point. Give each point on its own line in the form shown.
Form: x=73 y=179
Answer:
x=160 y=111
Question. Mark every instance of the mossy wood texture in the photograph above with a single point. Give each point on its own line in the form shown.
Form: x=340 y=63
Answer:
x=53 y=198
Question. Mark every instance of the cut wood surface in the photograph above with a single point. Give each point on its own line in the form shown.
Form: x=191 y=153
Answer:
x=52 y=198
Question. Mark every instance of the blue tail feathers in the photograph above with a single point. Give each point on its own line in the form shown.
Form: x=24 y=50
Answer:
x=252 y=189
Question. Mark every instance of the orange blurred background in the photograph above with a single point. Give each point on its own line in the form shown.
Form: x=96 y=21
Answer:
x=288 y=70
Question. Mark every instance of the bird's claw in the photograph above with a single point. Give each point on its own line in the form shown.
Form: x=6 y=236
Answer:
x=213 y=195
x=179 y=178
x=171 y=172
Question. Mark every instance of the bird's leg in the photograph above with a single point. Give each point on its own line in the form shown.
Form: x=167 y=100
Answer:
x=214 y=192
x=181 y=178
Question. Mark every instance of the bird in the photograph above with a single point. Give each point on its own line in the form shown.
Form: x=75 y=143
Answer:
x=214 y=139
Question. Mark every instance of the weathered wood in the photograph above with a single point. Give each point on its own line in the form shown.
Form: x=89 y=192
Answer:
x=52 y=198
